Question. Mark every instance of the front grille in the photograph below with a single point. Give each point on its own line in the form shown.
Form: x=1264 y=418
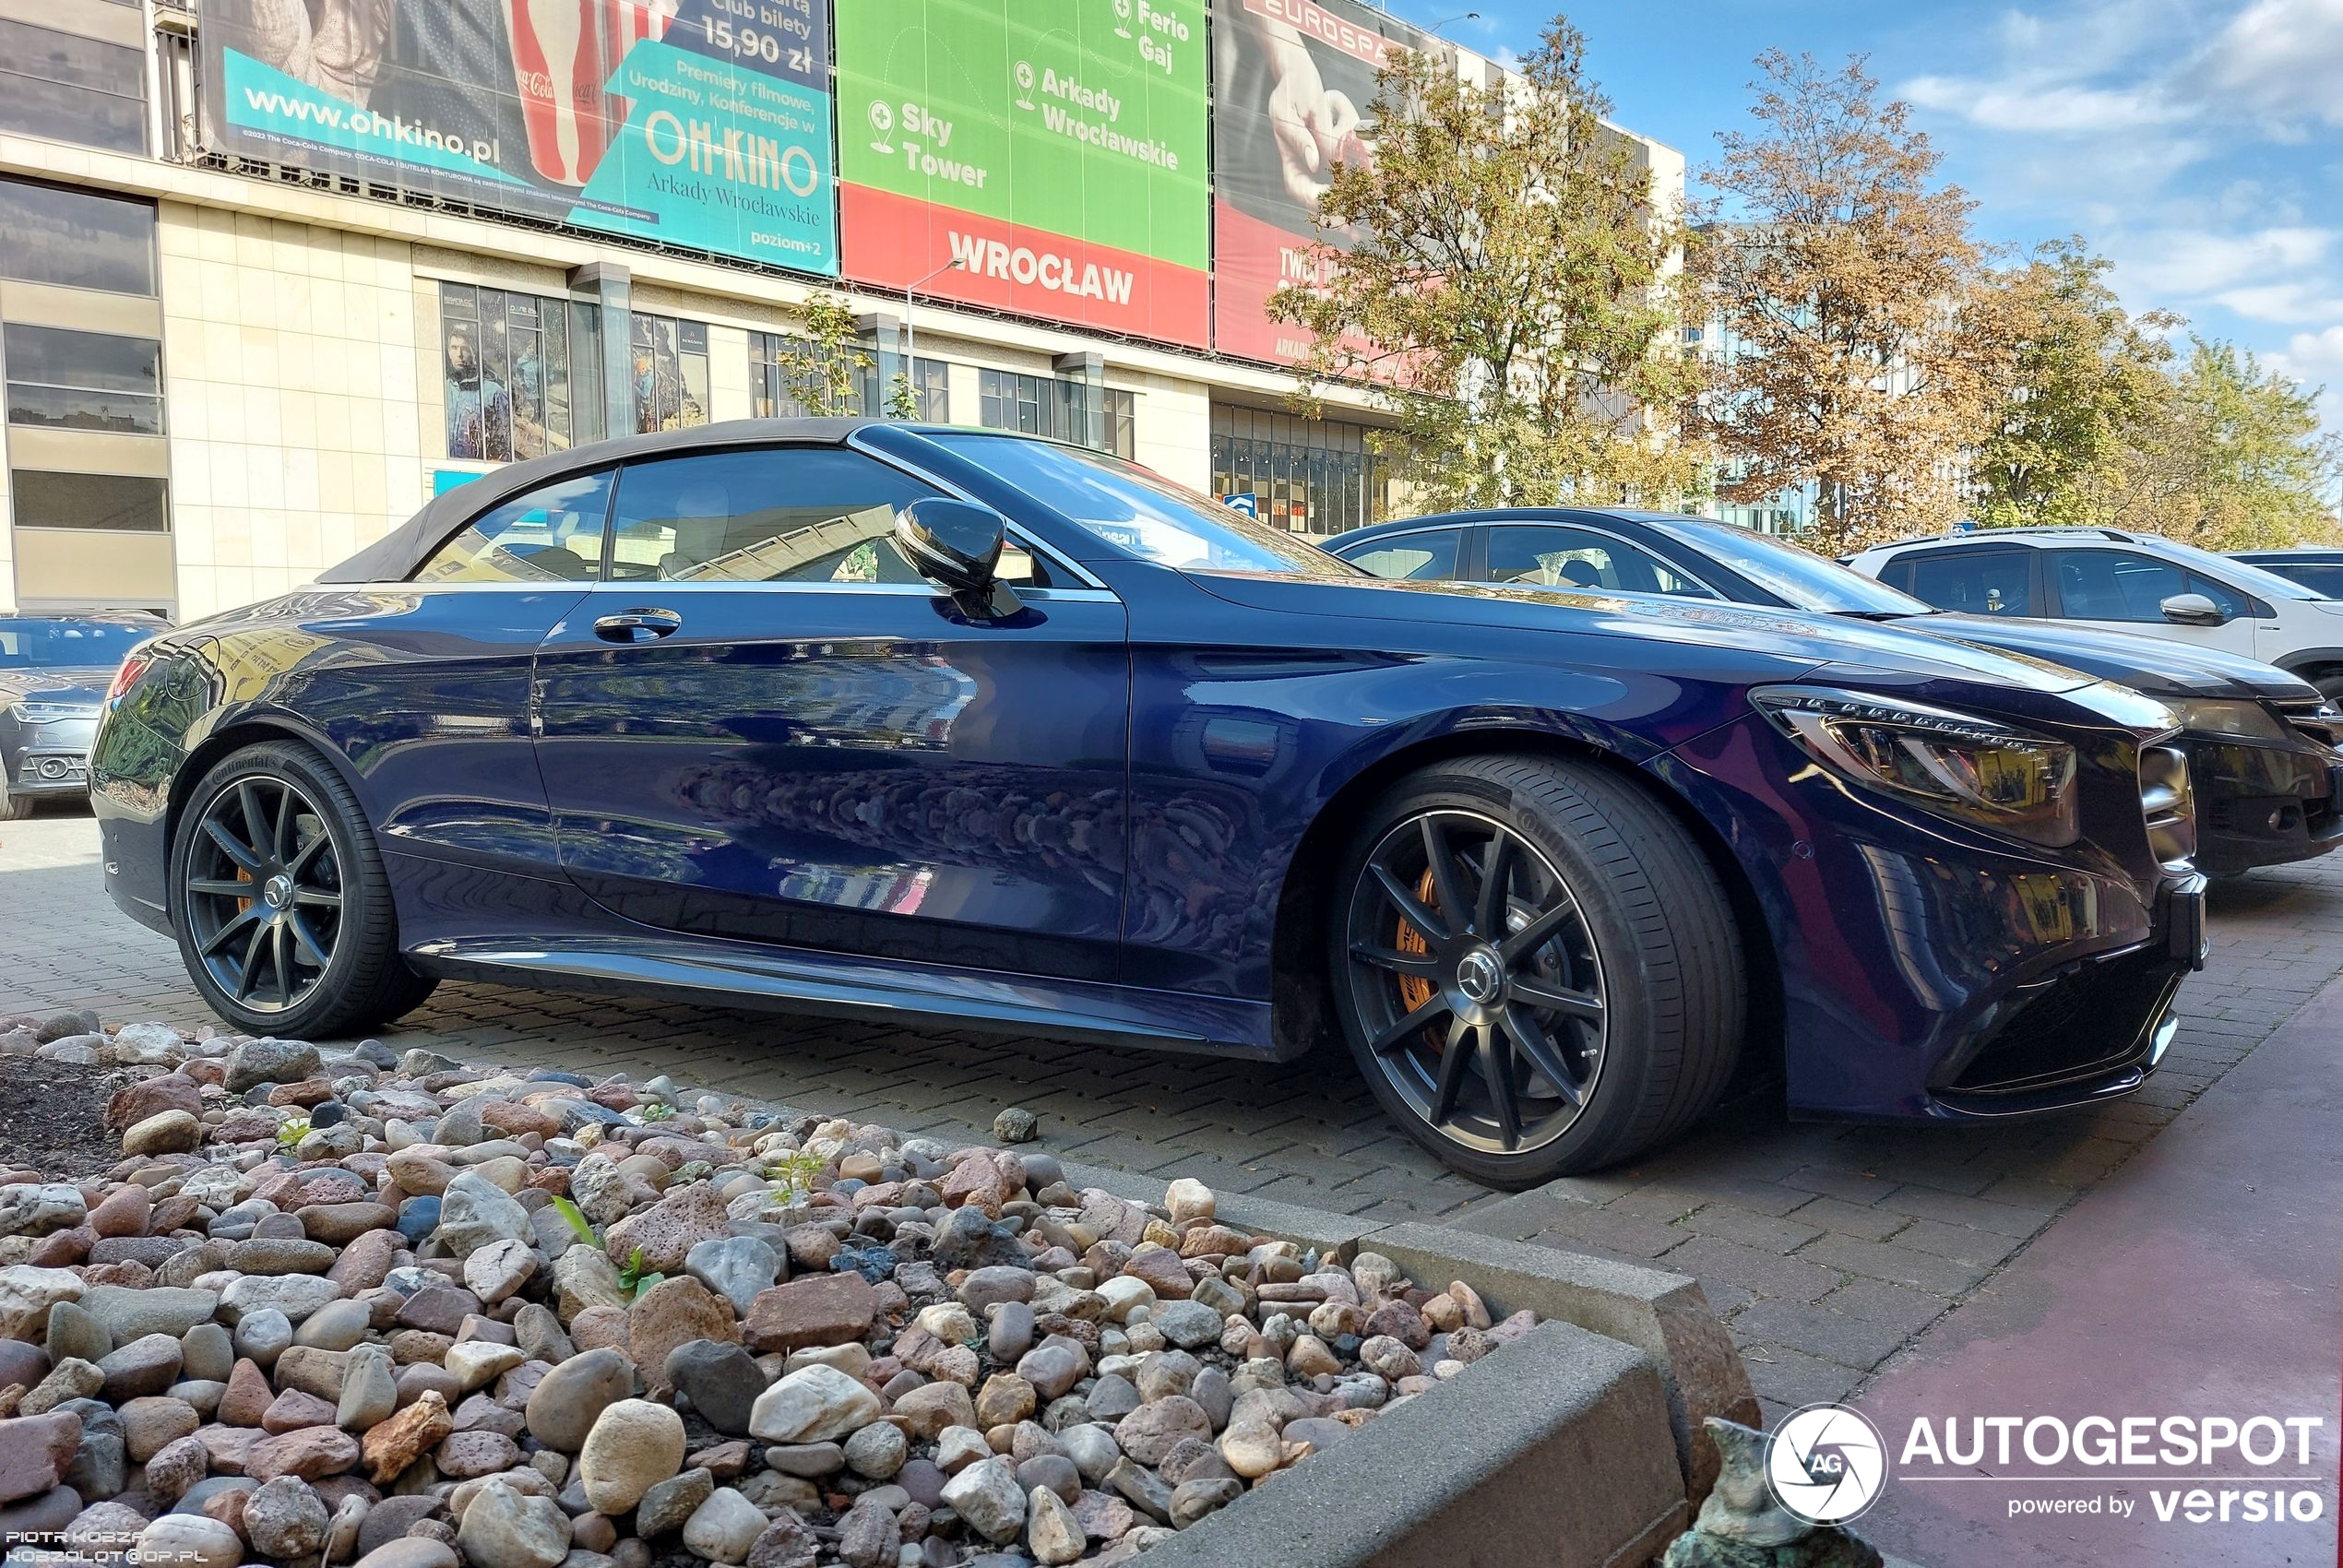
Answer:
x=2088 y=1025
x=2314 y=716
x=2166 y=802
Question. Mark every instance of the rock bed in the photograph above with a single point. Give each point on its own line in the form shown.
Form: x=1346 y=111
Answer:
x=391 y=1310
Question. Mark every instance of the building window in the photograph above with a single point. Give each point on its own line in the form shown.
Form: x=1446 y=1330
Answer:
x=931 y=386
x=73 y=238
x=1312 y=476
x=83 y=380
x=72 y=88
x=1079 y=411
x=519 y=373
x=670 y=373
x=1123 y=424
x=112 y=503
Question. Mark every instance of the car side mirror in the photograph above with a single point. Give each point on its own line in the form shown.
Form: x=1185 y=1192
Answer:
x=956 y=545
x=2193 y=610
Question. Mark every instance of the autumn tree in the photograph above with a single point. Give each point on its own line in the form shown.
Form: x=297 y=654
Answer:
x=2231 y=455
x=1840 y=272
x=1506 y=292
x=2086 y=384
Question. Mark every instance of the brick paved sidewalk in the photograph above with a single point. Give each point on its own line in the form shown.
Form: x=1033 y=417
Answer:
x=1828 y=1247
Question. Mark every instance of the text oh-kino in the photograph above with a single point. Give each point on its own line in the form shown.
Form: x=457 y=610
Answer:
x=2105 y=1440
x=741 y=158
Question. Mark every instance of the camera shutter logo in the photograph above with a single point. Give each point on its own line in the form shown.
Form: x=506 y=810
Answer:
x=1826 y=1464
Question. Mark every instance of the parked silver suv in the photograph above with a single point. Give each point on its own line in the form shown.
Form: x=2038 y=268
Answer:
x=2126 y=581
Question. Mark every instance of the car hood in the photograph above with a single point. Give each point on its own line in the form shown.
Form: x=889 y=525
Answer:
x=2156 y=667
x=83 y=686
x=1834 y=640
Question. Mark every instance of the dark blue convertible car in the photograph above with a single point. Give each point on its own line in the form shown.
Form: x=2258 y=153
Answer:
x=882 y=719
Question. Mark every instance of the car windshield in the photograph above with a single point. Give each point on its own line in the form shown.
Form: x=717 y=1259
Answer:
x=1798 y=577
x=1142 y=512
x=67 y=645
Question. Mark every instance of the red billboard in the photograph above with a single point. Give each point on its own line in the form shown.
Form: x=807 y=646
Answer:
x=1294 y=91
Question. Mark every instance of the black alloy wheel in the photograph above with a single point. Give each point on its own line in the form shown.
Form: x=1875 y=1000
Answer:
x=283 y=914
x=264 y=896
x=1473 y=965
x=1536 y=967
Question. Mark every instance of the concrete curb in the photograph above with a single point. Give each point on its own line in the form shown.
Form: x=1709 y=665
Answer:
x=1570 y=1467
x=1665 y=1315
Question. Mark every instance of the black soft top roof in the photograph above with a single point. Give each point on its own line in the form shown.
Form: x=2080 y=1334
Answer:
x=396 y=556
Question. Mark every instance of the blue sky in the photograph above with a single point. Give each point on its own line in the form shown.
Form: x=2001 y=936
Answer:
x=2199 y=145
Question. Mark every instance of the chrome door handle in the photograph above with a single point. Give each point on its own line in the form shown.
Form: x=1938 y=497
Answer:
x=637 y=625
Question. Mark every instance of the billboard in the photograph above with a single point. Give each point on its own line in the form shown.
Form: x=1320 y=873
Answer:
x=1295 y=88
x=1055 y=149
x=700 y=124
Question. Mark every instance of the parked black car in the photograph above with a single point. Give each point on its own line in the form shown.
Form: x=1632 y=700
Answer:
x=901 y=722
x=53 y=673
x=2261 y=742
x=2317 y=569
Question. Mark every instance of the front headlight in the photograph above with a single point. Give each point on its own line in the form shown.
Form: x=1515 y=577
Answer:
x=2245 y=720
x=49 y=712
x=1977 y=770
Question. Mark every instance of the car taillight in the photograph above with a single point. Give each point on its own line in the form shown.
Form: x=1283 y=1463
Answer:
x=132 y=668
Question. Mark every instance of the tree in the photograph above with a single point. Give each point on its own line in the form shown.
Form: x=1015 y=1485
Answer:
x=2232 y=458
x=822 y=372
x=1508 y=291
x=2084 y=382
x=1840 y=272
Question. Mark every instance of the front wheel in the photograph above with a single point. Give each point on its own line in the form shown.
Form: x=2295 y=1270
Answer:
x=283 y=914
x=1534 y=966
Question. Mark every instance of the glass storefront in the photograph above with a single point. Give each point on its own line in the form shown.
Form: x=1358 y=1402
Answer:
x=1312 y=476
x=519 y=373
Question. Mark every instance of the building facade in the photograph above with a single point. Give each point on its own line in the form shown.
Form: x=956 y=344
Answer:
x=224 y=372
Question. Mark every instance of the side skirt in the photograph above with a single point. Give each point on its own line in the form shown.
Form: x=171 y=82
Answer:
x=844 y=986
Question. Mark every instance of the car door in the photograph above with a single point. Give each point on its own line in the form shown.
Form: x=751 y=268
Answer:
x=765 y=727
x=2127 y=589
x=1573 y=556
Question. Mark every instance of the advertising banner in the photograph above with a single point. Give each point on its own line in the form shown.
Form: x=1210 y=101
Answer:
x=1295 y=88
x=701 y=123
x=1055 y=148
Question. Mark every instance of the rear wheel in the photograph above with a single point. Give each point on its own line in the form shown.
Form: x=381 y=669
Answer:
x=1535 y=966
x=283 y=915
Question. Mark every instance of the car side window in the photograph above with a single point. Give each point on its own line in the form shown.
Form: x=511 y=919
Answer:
x=772 y=514
x=552 y=534
x=1418 y=556
x=2118 y=584
x=1979 y=582
x=1557 y=555
x=2327 y=581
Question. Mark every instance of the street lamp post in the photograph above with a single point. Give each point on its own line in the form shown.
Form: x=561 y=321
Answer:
x=910 y=333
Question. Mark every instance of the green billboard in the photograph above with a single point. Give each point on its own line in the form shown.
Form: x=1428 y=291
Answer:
x=1054 y=150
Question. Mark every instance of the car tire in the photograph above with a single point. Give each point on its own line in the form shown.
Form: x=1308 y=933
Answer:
x=13 y=807
x=277 y=818
x=1614 y=1013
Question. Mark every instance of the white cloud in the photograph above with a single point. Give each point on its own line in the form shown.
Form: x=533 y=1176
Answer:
x=2043 y=104
x=2200 y=263
x=2278 y=61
